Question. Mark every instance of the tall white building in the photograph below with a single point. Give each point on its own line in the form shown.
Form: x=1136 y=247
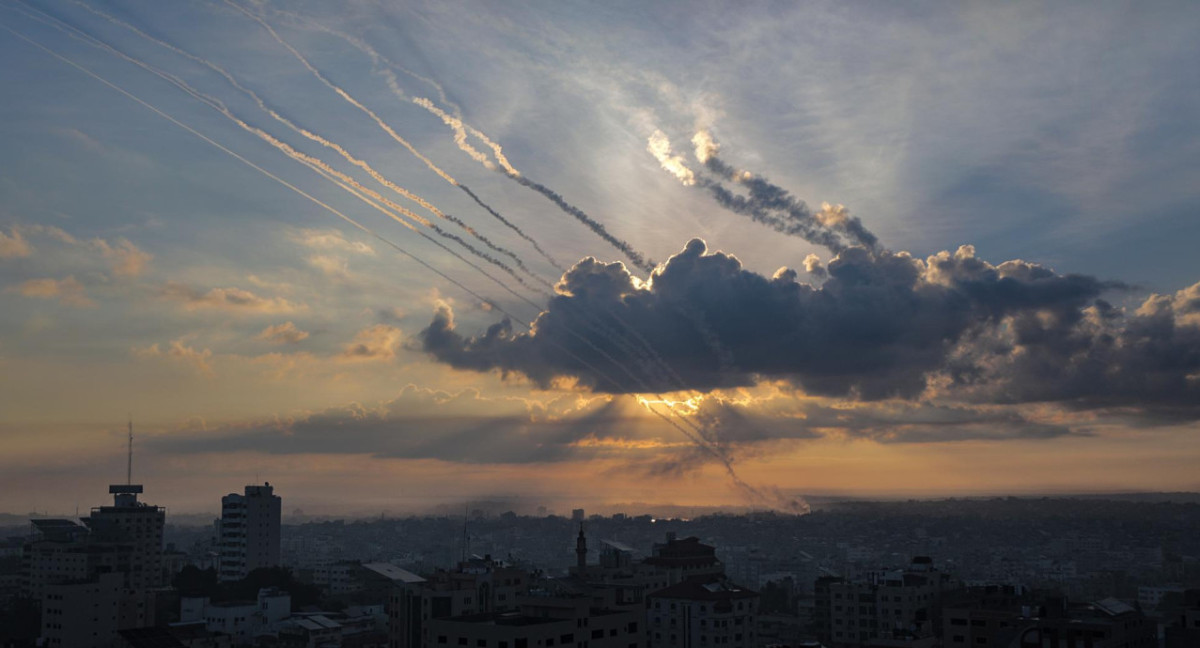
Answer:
x=249 y=531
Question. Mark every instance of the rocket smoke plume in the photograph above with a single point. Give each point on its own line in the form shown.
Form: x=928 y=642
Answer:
x=386 y=127
x=639 y=260
x=773 y=198
x=344 y=181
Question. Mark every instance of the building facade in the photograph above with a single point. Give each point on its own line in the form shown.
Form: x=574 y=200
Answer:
x=702 y=613
x=249 y=532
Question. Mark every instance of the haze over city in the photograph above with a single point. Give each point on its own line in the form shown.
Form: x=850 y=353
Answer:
x=393 y=256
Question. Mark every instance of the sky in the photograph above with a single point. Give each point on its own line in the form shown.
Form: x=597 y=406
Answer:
x=389 y=256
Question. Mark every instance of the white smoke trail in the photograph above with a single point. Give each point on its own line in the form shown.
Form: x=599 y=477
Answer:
x=660 y=147
x=460 y=133
x=378 y=177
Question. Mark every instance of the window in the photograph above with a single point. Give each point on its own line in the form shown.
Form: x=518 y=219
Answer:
x=958 y=622
x=597 y=634
x=441 y=639
x=482 y=643
x=462 y=641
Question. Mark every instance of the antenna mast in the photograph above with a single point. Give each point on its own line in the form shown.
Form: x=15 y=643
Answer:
x=129 y=461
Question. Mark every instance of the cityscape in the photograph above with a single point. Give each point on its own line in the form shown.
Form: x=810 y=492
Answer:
x=1011 y=572
x=621 y=324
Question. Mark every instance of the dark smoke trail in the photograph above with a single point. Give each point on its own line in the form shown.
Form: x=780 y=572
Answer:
x=511 y=226
x=808 y=230
x=639 y=260
x=771 y=197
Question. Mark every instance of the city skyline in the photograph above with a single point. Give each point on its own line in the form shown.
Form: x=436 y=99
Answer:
x=854 y=249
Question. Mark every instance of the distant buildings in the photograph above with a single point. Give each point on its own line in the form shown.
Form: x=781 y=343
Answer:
x=248 y=532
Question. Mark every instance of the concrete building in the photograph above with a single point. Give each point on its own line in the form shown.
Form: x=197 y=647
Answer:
x=82 y=614
x=248 y=532
x=702 y=612
x=477 y=586
x=675 y=561
x=241 y=620
x=97 y=579
x=1184 y=629
x=541 y=622
x=900 y=606
x=129 y=521
x=1107 y=623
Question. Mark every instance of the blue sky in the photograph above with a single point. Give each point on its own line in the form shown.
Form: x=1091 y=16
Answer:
x=144 y=269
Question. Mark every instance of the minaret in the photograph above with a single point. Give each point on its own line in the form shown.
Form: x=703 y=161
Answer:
x=581 y=550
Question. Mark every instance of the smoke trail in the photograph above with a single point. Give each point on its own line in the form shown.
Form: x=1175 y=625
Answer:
x=378 y=121
x=766 y=195
x=243 y=160
x=316 y=164
x=378 y=177
x=382 y=64
x=522 y=234
x=660 y=147
x=461 y=129
x=639 y=261
x=341 y=215
x=460 y=133
x=357 y=189
x=760 y=205
x=596 y=227
x=775 y=500
x=343 y=94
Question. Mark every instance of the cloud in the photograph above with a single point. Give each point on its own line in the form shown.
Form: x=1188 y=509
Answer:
x=285 y=333
x=125 y=258
x=422 y=423
x=331 y=266
x=67 y=291
x=128 y=259
x=380 y=342
x=13 y=245
x=330 y=239
x=882 y=325
x=1145 y=363
x=226 y=299
x=178 y=351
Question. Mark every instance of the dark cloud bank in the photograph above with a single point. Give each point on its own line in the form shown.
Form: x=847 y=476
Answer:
x=881 y=325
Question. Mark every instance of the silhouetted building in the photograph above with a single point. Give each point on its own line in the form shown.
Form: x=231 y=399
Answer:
x=702 y=612
x=129 y=521
x=1108 y=623
x=249 y=529
x=675 y=561
x=541 y=622
x=476 y=586
x=1183 y=629
x=901 y=606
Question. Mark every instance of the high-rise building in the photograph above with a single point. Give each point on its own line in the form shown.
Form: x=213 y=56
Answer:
x=129 y=521
x=249 y=531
